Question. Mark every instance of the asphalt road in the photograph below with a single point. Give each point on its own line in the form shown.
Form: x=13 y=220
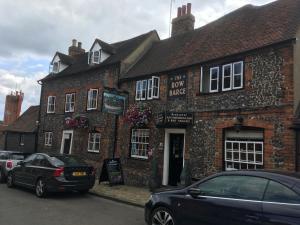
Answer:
x=21 y=207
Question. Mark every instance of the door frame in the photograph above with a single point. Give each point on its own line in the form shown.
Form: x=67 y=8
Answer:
x=63 y=140
x=165 y=180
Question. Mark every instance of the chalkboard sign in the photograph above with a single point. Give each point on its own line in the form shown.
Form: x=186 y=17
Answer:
x=112 y=172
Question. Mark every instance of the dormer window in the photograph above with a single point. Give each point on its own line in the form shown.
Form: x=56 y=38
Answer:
x=96 y=56
x=55 y=67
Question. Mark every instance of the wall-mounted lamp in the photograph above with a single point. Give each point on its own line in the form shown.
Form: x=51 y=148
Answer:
x=238 y=123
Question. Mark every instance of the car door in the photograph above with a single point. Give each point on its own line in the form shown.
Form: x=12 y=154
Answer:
x=281 y=205
x=226 y=199
x=21 y=171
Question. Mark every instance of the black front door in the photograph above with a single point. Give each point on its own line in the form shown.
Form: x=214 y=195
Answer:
x=176 y=158
x=67 y=143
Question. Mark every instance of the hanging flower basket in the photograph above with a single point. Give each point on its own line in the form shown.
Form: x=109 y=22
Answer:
x=138 y=115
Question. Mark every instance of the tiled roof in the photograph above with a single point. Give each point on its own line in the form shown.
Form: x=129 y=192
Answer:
x=65 y=59
x=26 y=123
x=245 y=29
x=122 y=50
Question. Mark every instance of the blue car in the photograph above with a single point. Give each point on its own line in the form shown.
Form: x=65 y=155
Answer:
x=230 y=198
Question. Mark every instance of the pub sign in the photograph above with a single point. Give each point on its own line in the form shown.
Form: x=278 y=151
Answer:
x=177 y=86
x=113 y=103
x=174 y=119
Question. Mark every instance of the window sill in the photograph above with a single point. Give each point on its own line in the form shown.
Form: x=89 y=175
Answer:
x=95 y=152
x=50 y=112
x=138 y=159
x=219 y=92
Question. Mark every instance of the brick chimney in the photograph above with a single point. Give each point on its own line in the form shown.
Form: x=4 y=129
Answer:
x=75 y=49
x=13 y=104
x=184 y=21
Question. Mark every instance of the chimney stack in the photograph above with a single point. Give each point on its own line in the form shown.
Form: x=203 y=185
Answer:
x=13 y=105
x=185 y=21
x=75 y=49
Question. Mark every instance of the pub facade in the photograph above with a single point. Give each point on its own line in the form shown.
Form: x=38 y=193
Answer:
x=214 y=101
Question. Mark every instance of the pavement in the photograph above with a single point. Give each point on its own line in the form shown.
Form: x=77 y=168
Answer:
x=136 y=196
x=19 y=206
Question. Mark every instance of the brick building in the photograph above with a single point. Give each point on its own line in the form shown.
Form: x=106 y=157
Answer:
x=71 y=117
x=223 y=96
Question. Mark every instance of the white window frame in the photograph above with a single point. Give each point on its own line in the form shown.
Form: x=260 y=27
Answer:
x=217 y=79
x=90 y=100
x=138 y=90
x=71 y=103
x=98 y=57
x=154 y=87
x=148 y=86
x=240 y=74
x=57 y=69
x=92 y=142
x=246 y=151
x=49 y=104
x=223 y=77
x=150 y=89
x=48 y=138
x=139 y=140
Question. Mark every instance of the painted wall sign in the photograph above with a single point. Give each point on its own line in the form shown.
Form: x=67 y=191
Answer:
x=173 y=119
x=177 y=86
x=113 y=103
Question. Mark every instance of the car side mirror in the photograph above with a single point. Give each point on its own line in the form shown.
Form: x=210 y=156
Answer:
x=194 y=192
x=21 y=163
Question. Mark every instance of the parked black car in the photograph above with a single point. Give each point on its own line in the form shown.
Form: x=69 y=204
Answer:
x=8 y=160
x=52 y=173
x=235 y=198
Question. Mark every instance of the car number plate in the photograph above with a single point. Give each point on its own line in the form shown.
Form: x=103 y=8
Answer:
x=79 y=174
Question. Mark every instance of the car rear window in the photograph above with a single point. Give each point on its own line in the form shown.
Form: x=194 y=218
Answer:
x=66 y=161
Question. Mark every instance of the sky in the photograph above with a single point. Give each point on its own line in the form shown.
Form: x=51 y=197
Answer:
x=32 y=31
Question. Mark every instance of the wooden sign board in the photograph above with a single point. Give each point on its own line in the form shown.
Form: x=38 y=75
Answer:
x=174 y=119
x=112 y=172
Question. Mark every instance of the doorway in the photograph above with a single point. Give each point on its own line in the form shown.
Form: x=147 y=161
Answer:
x=66 y=143
x=173 y=156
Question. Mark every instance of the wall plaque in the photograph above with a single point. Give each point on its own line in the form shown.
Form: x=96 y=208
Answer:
x=177 y=86
x=173 y=119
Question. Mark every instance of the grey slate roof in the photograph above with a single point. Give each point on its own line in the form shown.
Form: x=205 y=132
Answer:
x=121 y=51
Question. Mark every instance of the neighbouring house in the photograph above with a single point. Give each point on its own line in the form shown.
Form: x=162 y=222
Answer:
x=220 y=97
x=21 y=135
x=72 y=120
x=12 y=110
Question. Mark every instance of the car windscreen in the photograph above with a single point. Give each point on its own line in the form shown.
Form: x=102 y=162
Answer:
x=66 y=161
x=16 y=156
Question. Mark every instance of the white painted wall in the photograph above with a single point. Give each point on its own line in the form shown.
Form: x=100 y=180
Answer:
x=61 y=65
x=104 y=55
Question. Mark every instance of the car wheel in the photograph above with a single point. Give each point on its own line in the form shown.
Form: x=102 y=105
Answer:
x=162 y=216
x=1 y=176
x=10 y=180
x=40 y=188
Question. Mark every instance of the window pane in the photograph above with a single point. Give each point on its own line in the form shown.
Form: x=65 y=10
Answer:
x=214 y=85
x=238 y=187
x=237 y=81
x=139 y=143
x=237 y=68
x=279 y=193
x=227 y=82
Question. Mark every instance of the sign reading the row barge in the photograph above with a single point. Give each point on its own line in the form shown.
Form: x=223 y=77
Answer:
x=177 y=86
x=113 y=103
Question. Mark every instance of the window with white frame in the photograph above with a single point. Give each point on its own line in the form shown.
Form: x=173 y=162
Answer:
x=214 y=79
x=70 y=102
x=96 y=55
x=92 y=99
x=237 y=77
x=227 y=77
x=147 y=89
x=243 y=154
x=139 y=143
x=55 y=67
x=94 y=142
x=48 y=138
x=51 y=104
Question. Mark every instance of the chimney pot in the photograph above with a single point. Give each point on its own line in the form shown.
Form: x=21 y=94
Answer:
x=79 y=45
x=189 y=8
x=183 y=9
x=179 y=12
x=74 y=42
